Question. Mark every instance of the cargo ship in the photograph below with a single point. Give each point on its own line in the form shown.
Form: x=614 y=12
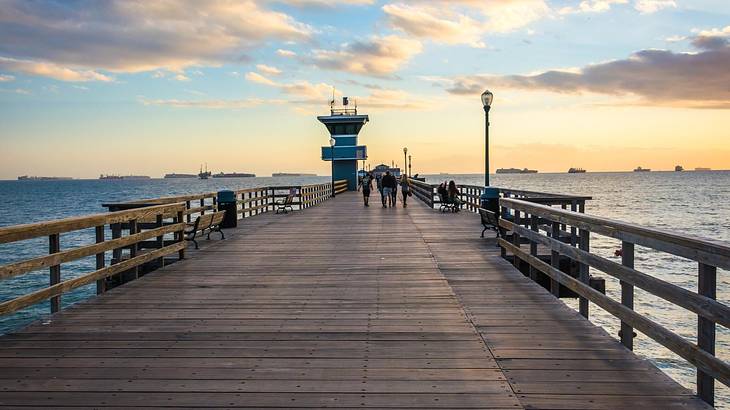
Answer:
x=640 y=169
x=34 y=178
x=174 y=175
x=702 y=169
x=233 y=175
x=112 y=176
x=516 y=171
x=576 y=171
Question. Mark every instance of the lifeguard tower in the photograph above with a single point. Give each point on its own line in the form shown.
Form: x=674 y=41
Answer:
x=344 y=125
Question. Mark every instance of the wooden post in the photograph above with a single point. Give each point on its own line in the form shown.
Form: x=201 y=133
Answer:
x=54 y=246
x=516 y=238
x=248 y=204
x=533 y=246
x=202 y=205
x=555 y=261
x=707 y=286
x=627 y=294
x=573 y=229
x=584 y=243
x=133 y=247
x=160 y=242
x=189 y=217
x=116 y=234
x=180 y=235
x=100 y=262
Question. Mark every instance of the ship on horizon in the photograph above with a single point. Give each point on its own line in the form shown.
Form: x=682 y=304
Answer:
x=516 y=171
x=114 y=176
x=678 y=168
x=206 y=174
x=640 y=169
x=35 y=178
x=233 y=175
x=576 y=171
x=292 y=174
x=703 y=169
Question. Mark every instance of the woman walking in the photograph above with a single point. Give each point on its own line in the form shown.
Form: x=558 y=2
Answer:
x=405 y=189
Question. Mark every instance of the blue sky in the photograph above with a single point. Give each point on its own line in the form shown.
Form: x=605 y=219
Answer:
x=136 y=87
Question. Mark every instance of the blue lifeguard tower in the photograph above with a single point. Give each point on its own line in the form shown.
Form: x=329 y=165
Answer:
x=344 y=124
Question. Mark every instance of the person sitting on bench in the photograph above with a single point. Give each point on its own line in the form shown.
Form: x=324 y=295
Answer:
x=453 y=195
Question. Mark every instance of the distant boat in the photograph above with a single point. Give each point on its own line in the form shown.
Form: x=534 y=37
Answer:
x=290 y=174
x=703 y=169
x=109 y=176
x=174 y=175
x=678 y=168
x=34 y=178
x=233 y=175
x=204 y=175
x=640 y=169
x=576 y=171
x=112 y=176
x=516 y=171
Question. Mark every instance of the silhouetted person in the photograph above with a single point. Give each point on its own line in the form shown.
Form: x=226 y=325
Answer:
x=405 y=189
x=453 y=193
x=390 y=185
x=367 y=185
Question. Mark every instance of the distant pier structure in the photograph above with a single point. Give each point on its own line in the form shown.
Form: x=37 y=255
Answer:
x=344 y=125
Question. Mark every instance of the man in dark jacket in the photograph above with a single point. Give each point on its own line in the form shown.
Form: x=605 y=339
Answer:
x=390 y=186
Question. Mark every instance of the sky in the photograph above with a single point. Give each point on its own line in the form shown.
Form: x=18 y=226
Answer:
x=151 y=87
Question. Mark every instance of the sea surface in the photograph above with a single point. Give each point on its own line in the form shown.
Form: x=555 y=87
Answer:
x=692 y=203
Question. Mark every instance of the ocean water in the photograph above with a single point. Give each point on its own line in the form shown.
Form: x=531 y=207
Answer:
x=695 y=203
x=692 y=203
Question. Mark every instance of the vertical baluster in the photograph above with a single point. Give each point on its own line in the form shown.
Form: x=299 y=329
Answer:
x=160 y=242
x=100 y=262
x=202 y=205
x=189 y=218
x=584 y=243
x=533 y=246
x=54 y=246
x=555 y=260
x=516 y=241
x=573 y=229
x=707 y=286
x=133 y=247
x=627 y=294
x=248 y=204
x=180 y=235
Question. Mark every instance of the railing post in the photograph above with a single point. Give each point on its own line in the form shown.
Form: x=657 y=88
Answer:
x=54 y=246
x=627 y=294
x=707 y=286
x=160 y=241
x=100 y=262
x=584 y=243
x=555 y=260
x=189 y=218
x=573 y=229
x=533 y=246
x=202 y=205
x=180 y=235
x=516 y=241
x=133 y=247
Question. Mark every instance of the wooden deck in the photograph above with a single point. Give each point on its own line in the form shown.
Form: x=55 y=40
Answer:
x=334 y=306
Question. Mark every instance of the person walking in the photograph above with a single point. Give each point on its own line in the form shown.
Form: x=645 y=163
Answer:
x=405 y=189
x=379 y=184
x=367 y=185
x=389 y=185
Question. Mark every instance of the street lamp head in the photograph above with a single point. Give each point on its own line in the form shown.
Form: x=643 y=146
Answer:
x=332 y=142
x=487 y=98
x=405 y=151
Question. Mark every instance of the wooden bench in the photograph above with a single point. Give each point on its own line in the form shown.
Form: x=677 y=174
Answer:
x=448 y=205
x=490 y=221
x=287 y=202
x=210 y=222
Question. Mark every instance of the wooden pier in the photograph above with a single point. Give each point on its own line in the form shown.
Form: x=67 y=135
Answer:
x=334 y=306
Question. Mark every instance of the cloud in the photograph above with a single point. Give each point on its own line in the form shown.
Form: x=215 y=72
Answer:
x=286 y=53
x=258 y=78
x=652 y=6
x=591 y=6
x=266 y=69
x=139 y=35
x=181 y=77
x=377 y=56
x=325 y=3
x=657 y=77
x=51 y=70
x=209 y=104
x=21 y=91
x=435 y=23
x=712 y=39
x=6 y=78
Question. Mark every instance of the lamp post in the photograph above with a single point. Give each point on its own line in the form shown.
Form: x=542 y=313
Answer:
x=332 y=157
x=409 y=166
x=490 y=196
x=405 y=161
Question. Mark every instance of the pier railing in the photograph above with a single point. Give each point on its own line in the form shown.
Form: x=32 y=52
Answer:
x=539 y=225
x=168 y=220
x=143 y=233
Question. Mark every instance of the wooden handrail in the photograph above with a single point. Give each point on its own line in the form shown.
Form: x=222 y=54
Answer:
x=710 y=255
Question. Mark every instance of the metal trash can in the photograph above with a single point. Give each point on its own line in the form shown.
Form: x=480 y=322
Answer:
x=490 y=200
x=227 y=202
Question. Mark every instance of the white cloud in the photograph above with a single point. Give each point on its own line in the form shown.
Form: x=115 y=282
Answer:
x=325 y=3
x=652 y=6
x=51 y=70
x=21 y=91
x=181 y=77
x=377 y=56
x=266 y=69
x=286 y=53
x=591 y=6
x=140 y=35
x=258 y=78
x=6 y=78
x=210 y=104
x=435 y=23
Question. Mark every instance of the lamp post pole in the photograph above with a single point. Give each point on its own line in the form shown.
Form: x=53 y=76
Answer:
x=490 y=196
x=332 y=157
x=409 y=166
x=405 y=161
x=486 y=145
